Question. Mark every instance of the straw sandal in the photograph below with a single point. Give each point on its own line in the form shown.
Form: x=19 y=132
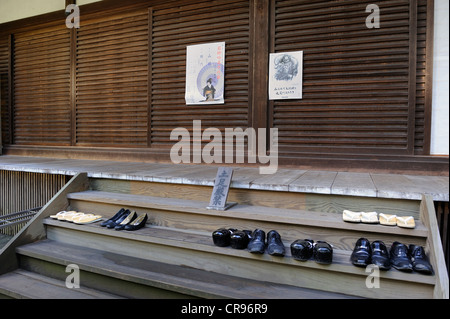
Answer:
x=71 y=217
x=64 y=215
x=58 y=214
x=369 y=218
x=87 y=219
x=388 y=220
x=352 y=217
x=406 y=222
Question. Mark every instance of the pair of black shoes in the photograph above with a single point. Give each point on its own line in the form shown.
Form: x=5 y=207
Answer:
x=125 y=219
x=255 y=241
x=305 y=249
x=274 y=244
x=400 y=256
x=237 y=239
x=366 y=253
x=410 y=258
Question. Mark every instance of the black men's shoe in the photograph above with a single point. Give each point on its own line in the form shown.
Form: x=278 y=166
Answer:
x=239 y=240
x=121 y=218
x=113 y=219
x=275 y=246
x=399 y=256
x=257 y=245
x=361 y=255
x=302 y=249
x=221 y=237
x=323 y=253
x=138 y=223
x=380 y=255
x=420 y=260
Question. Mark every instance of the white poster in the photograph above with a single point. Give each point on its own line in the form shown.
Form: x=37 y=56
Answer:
x=205 y=73
x=286 y=75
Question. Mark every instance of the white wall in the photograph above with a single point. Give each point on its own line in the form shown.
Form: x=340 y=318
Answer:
x=440 y=114
x=11 y=10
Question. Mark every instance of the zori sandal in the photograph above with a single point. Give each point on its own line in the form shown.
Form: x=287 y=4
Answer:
x=58 y=214
x=369 y=218
x=66 y=214
x=87 y=219
x=70 y=217
x=352 y=217
x=406 y=222
x=388 y=220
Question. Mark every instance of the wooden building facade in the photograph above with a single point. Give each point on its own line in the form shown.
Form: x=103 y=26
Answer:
x=114 y=88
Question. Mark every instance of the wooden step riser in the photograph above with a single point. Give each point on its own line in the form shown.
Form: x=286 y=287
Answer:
x=112 y=283
x=278 y=199
x=243 y=264
x=339 y=238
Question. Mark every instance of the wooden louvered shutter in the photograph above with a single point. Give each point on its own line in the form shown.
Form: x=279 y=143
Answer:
x=175 y=27
x=4 y=91
x=112 y=81
x=356 y=80
x=42 y=87
x=424 y=67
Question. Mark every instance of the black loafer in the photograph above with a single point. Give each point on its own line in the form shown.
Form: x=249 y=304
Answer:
x=138 y=223
x=361 y=254
x=239 y=240
x=380 y=255
x=323 y=253
x=221 y=237
x=420 y=260
x=302 y=249
x=399 y=256
x=113 y=219
x=257 y=245
x=275 y=246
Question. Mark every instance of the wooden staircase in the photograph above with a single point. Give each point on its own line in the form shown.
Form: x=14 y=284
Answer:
x=174 y=256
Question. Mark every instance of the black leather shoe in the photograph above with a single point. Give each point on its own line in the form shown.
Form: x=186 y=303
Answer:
x=380 y=255
x=132 y=216
x=361 y=254
x=275 y=246
x=114 y=218
x=400 y=258
x=121 y=218
x=239 y=240
x=221 y=237
x=302 y=249
x=258 y=243
x=138 y=223
x=323 y=253
x=420 y=260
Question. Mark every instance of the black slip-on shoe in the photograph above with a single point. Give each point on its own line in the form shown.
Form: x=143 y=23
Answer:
x=361 y=254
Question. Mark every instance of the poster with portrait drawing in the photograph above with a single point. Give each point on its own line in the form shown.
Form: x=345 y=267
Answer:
x=286 y=75
x=205 y=73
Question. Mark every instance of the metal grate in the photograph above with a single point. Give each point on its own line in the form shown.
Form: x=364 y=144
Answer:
x=10 y=224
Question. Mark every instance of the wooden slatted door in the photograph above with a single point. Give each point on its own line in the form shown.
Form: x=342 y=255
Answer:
x=4 y=91
x=41 y=87
x=112 y=81
x=357 y=94
x=175 y=27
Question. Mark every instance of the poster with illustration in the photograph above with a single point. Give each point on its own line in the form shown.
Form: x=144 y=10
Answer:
x=205 y=73
x=286 y=75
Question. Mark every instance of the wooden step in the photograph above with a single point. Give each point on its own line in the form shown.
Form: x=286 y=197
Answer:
x=291 y=223
x=180 y=279
x=195 y=249
x=22 y=284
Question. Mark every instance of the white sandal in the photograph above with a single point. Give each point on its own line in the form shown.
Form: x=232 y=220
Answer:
x=406 y=222
x=369 y=218
x=388 y=220
x=352 y=217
